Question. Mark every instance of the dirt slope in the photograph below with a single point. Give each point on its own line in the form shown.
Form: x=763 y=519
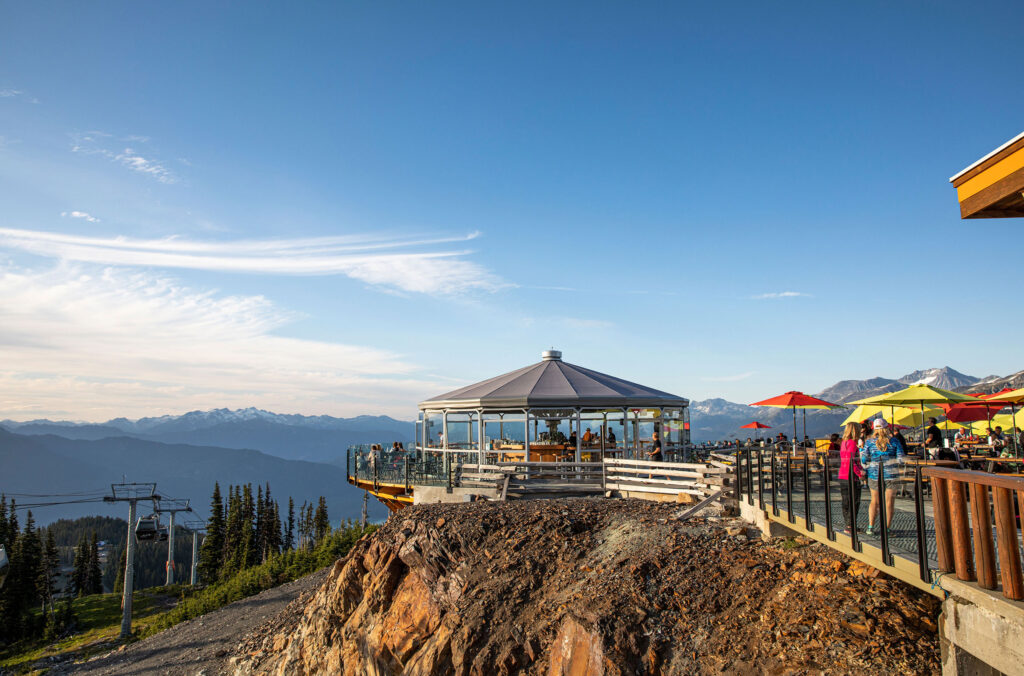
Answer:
x=593 y=586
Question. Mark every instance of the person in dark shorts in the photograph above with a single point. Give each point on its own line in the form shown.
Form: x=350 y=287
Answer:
x=655 y=453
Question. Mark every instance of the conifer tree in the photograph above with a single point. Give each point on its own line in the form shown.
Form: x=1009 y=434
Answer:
x=5 y=539
x=248 y=551
x=80 y=569
x=49 y=571
x=321 y=522
x=261 y=525
x=28 y=554
x=211 y=554
x=289 y=532
x=119 y=580
x=93 y=573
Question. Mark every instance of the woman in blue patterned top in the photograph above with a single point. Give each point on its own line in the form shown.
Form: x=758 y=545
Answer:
x=881 y=450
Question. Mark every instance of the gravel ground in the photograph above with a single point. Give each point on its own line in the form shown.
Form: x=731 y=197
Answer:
x=199 y=646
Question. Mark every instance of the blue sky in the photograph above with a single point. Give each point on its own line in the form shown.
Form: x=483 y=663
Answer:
x=345 y=208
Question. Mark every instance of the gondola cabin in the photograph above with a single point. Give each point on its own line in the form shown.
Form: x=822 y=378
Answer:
x=147 y=528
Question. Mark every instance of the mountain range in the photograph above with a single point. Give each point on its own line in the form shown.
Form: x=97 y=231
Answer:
x=38 y=466
x=301 y=456
x=712 y=419
x=293 y=437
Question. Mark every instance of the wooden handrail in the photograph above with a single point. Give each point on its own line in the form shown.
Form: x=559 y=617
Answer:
x=968 y=476
x=955 y=532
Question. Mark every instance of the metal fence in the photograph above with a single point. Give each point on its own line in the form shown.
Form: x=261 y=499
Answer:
x=802 y=486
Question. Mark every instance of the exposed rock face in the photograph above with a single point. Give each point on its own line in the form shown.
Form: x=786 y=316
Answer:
x=592 y=586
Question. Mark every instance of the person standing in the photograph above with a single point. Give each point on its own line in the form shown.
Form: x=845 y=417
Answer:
x=849 y=461
x=655 y=453
x=882 y=455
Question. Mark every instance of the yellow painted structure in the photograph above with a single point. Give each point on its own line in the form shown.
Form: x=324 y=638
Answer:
x=993 y=187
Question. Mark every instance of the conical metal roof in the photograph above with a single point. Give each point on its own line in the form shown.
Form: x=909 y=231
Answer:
x=553 y=383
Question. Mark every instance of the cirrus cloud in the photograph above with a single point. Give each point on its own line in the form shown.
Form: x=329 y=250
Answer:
x=401 y=264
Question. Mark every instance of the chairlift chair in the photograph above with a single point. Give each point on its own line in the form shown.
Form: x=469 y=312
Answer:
x=147 y=528
x=163 y=534
x=5 y=565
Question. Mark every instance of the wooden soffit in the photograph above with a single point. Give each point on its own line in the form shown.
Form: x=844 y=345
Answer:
x=993 y=187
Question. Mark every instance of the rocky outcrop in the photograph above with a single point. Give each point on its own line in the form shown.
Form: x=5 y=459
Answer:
x=591 y=586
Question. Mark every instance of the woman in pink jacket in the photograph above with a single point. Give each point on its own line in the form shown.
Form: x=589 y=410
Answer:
x=849 y=460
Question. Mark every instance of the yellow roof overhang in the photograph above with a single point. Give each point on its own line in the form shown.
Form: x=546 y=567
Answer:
x=993 y=187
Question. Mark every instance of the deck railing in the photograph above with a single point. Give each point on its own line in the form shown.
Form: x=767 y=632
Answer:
x=959 y=532
x=964 y=540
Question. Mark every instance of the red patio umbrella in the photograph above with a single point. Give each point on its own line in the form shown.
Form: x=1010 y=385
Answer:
x=972 y=412
x=795 y=400
x=755 y=426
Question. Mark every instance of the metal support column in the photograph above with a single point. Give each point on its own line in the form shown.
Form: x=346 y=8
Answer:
x=195 y=552
x=129 y=575
x=170 y=552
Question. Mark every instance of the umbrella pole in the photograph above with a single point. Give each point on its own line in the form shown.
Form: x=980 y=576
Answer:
x=793 y=447
x=1013 y=426
x=805 y=423
x=924 y=455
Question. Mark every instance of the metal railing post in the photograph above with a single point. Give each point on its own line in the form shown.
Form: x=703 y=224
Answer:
x=750 y=477
x=922 y=541
x=789 y=484
x=406 y=473
x=376 y=472
x=775 y=485
x=807 y=491
x=449 y=490
x=739 y=478
x=882 y=509
x=830 y=531
x=760 y=478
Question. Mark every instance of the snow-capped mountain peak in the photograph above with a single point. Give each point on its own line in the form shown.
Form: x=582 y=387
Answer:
x=944 y=378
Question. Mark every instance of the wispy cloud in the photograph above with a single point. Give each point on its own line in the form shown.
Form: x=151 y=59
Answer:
x=17 y=93
x=584 y=323
x=781 y=294
x=402 y=264
x=105 y=145
x=80 y=214
x=729 y=379
x=106 y=342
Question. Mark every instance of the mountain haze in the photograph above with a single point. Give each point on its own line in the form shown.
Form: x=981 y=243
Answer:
x=295 y=437
x=51 y=465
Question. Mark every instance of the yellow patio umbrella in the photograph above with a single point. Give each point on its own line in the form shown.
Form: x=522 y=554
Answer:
x=910 y=418
x=921 y=395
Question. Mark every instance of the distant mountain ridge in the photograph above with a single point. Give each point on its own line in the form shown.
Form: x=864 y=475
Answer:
x=295 y=437
x=55 y=465
x=712 y=419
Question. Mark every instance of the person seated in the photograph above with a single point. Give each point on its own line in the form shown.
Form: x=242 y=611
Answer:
x=587 y=436
x=998 y=441
x=610 y=439
x=833 y=442
x=572 y=440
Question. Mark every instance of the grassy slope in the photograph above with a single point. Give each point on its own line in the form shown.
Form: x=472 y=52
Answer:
x=99 y=625
x=159 y=608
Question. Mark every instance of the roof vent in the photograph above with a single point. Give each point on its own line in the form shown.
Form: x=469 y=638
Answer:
x=551 y=355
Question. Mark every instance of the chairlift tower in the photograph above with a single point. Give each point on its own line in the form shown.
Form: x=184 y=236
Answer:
x=130 y=493
x=171 y=506
x=198 y=528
